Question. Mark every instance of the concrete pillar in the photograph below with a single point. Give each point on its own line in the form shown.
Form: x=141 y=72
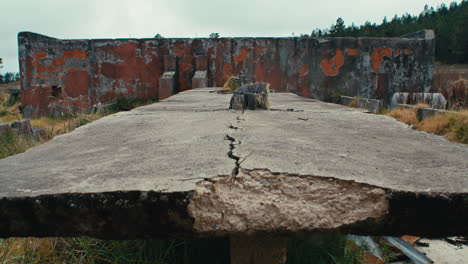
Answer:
x=258 y=249
x=201 y=63
x=170 y=63
x=200 y=78
x=167 y=82
x=166 y=85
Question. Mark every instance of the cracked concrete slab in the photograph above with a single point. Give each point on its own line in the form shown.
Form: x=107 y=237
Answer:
x=188 y=166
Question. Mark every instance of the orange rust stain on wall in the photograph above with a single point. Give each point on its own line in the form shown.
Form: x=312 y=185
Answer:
x=226 y=71
x=331 y=67
x=47 y=68
x=43 y=76
x=76 y=83
x=242 y=56
x=37 y=96
x=406 y=51
x=59 y=61
x=125 y=51
x=185 y=66
x=71 y=70
x=178 y=52
x=75 y=54
x=259 y=72
x=40 y=54
x=352 y=52
x=304 y=71
x=377 y=57
x=259 y=49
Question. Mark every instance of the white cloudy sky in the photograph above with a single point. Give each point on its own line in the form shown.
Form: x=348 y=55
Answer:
x=185 y=18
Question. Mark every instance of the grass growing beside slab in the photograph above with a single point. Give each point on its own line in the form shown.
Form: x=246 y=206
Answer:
x=451 y=125
x=95 y=251
x=334 y=249
x=11 y=144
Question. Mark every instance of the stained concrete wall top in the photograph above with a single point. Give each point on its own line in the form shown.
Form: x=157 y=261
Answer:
x=187 y=166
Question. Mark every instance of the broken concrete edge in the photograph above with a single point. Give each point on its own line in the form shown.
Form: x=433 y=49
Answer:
x=213 y=209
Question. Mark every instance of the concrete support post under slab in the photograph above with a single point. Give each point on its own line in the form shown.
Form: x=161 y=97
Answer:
x=258 y=250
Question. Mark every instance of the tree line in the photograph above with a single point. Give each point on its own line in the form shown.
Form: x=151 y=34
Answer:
x=450 y=24
x=9 y=76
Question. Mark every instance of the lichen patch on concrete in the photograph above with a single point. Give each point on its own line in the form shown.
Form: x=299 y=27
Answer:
x=261 y=201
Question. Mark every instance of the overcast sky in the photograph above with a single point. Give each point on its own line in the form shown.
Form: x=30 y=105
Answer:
x=185 y=18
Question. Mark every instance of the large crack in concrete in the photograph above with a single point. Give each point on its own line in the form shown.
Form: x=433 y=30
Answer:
x=232 y=146
x=231 y=155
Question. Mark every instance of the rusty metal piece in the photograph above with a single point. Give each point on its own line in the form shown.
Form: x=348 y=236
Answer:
x=412 y=253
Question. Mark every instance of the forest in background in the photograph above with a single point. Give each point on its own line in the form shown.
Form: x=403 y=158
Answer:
x=450 y=24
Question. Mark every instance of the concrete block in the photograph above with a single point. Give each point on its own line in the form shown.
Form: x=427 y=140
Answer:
x=346 y=100
x=200 y=80
x=372 y=105
x=435 y=100
x=4 y=128
x=23 y=127
x=423 y=113
x=166 y=85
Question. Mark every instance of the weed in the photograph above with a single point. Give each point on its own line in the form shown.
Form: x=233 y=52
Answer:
x=11 y=143
x=320 y=249
x=355 y=102
x=4 y=112
x=12 y=100
x=233 y=83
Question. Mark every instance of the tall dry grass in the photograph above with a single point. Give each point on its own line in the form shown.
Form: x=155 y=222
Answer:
x=452 y=125
x=405 y=115
x=452 y=82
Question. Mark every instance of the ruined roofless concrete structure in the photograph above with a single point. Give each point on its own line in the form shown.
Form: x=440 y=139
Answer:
x=190 y=167
x=73 y=75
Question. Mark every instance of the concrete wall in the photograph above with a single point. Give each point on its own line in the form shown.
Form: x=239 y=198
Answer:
x=72 y=75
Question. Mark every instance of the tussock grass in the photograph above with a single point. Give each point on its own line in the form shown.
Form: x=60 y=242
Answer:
x=233 y=83
x=58 y=126
x=324 y=249
x=355 y=102
x=407 y=116
x=452 y=125
x=11 y=143
x=94 y=251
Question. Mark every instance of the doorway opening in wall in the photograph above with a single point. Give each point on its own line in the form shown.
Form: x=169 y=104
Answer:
x=56 y=91
x=382 y=86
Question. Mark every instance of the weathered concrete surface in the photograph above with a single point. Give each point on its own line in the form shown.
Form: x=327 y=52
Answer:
x=93 y=71
x=188 y=166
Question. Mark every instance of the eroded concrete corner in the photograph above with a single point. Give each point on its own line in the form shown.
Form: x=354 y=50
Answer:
x=262 y=201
